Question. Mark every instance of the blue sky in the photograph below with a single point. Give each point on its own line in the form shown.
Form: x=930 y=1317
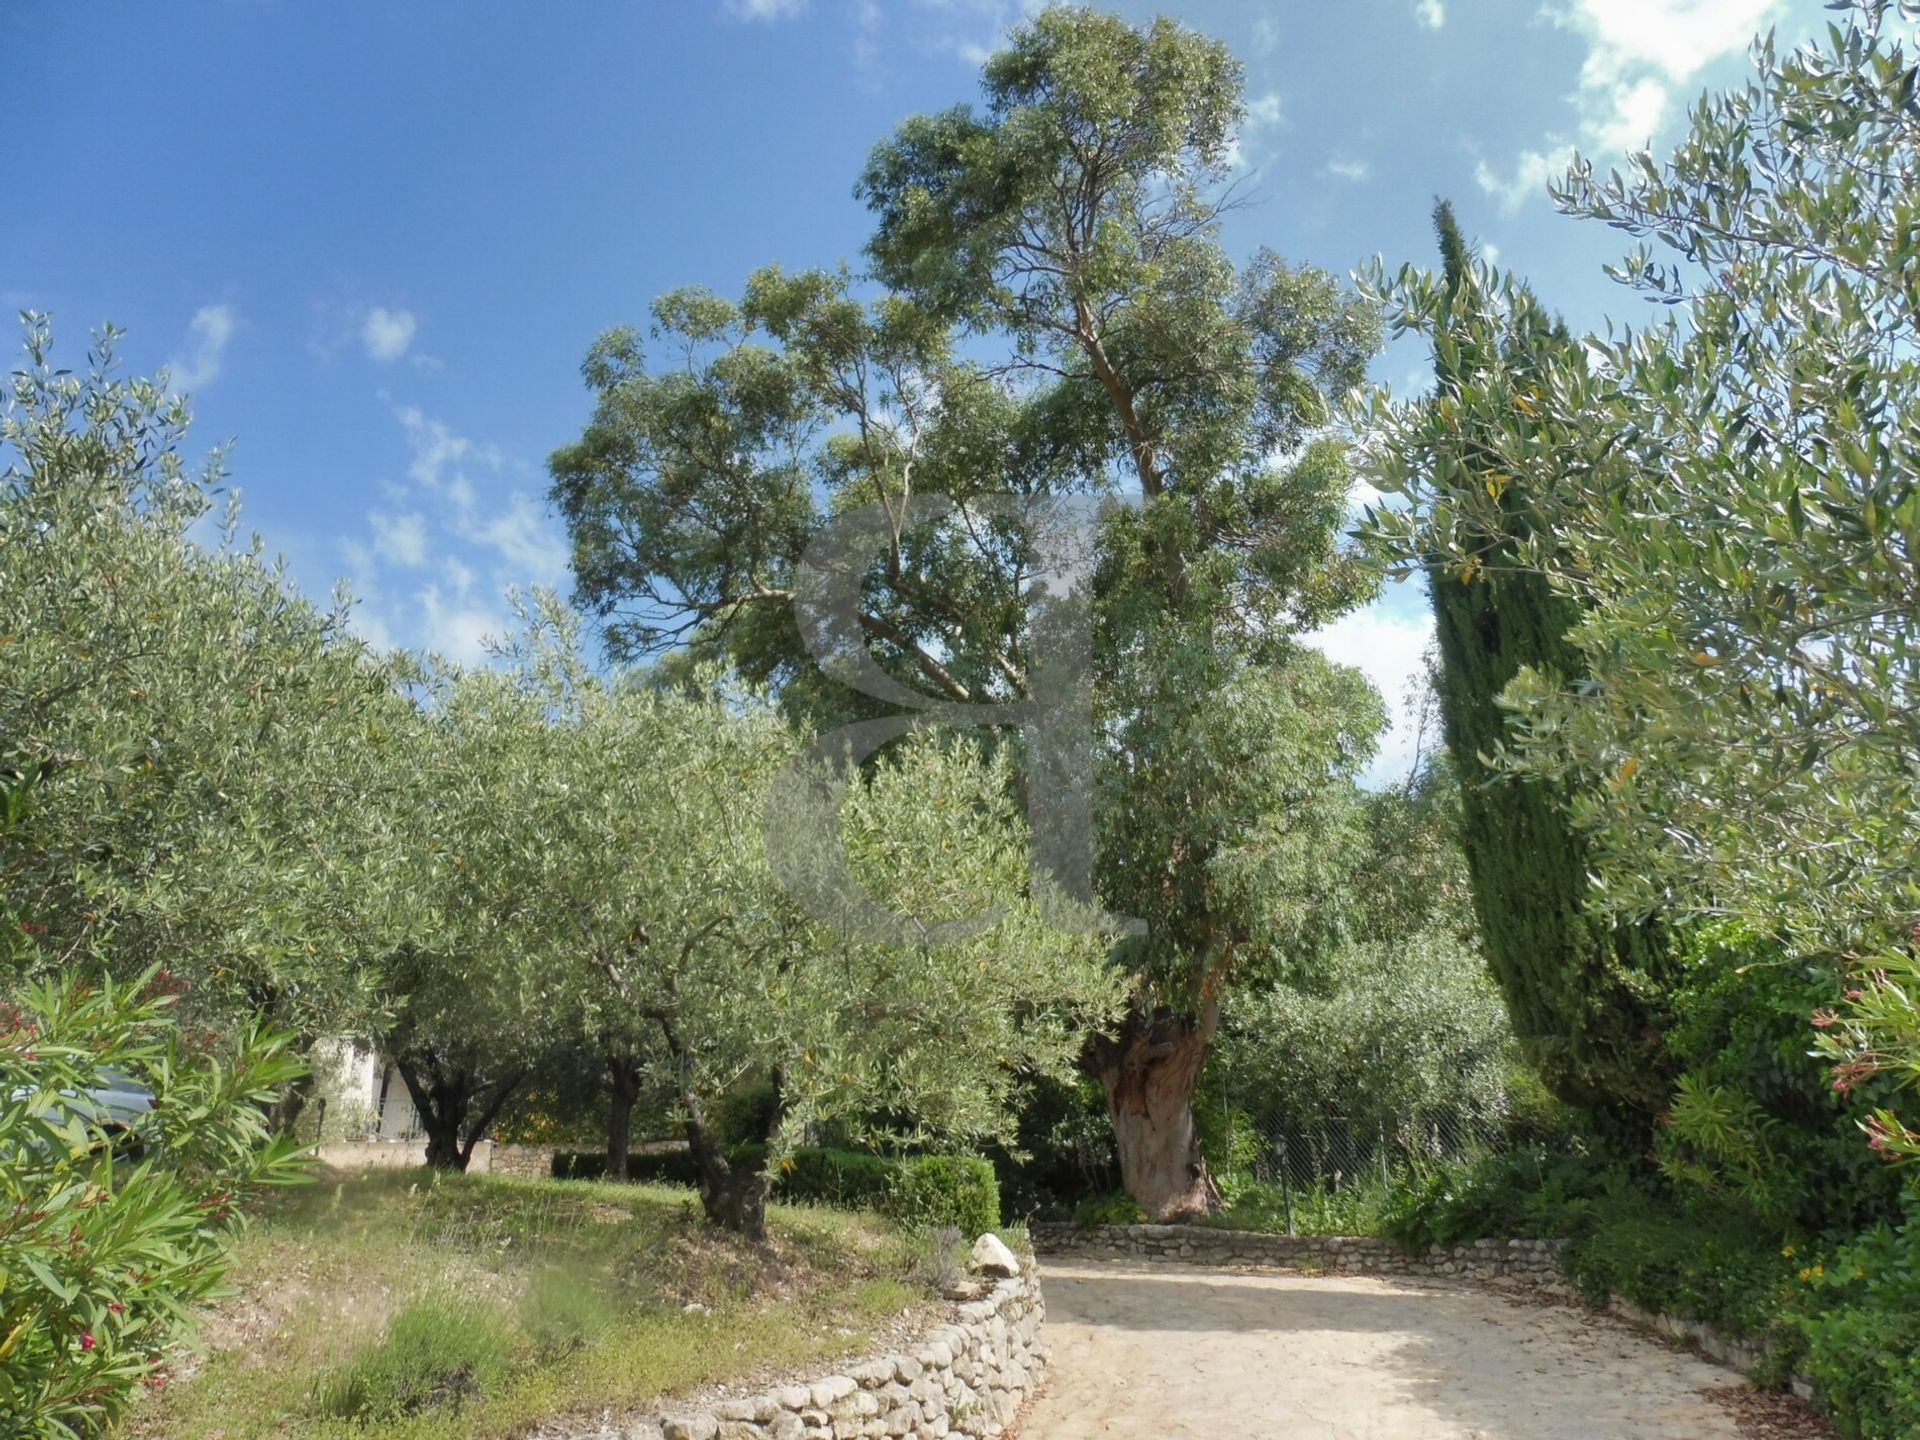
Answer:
x=373 y=240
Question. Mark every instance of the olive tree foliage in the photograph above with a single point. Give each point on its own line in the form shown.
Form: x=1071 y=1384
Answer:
x=1398 y=1037
x=1732 y=489
x=470 y=1007
x=622 y=846
x=1060 y=321
x=199 y=736
x=1402 y=1027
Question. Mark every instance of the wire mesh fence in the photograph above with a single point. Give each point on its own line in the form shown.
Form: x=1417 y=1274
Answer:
x=1335 y=1151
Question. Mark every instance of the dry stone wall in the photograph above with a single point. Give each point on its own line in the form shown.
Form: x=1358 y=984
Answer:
x=532 y=1162
x=965 y=1380
x=1532 y=1262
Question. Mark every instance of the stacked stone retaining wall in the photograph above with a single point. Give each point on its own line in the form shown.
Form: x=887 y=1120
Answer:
x=531 y=1162
x=966 y=1380
x=1532 y=1262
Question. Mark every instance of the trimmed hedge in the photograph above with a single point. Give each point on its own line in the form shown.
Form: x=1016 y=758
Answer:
x=916 y=1190
x=957 y=1190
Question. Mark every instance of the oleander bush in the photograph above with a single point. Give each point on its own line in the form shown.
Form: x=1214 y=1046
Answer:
x=111 y=1233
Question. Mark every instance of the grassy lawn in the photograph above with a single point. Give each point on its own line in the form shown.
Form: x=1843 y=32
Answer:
x=409 y=1305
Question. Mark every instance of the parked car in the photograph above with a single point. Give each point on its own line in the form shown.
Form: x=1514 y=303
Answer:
x=118 y=1105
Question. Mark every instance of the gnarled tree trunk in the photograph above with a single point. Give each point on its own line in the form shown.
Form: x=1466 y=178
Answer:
x=456 y=1107
x=1151 y=1071
x=733 y=1196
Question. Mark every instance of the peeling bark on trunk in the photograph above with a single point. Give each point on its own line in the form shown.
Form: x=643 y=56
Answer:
x=623 y=1076
x=1150 y=1073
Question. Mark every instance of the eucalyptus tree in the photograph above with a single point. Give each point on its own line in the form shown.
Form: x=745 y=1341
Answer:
x=201 y=735
x=1062 y=322
x=1728 y=496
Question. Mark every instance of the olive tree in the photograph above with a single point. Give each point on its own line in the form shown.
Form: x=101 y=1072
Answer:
x=1729 y=496
x=201 y=737
x=620 y=853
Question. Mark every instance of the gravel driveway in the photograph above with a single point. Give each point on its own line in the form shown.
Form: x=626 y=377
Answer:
x=1160 y=1351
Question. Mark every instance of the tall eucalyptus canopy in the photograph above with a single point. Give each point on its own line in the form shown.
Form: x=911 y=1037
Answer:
x=1060 y=320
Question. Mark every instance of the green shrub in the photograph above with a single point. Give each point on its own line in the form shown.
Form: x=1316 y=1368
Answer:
x=564 y=1311
x=1063 y=1149
x=1712 y=1271
x=850 y=1179
x=956 y=1190
x=1756 y=1120
x=663 y=1167
x=439 y=1352
x=1530 y=1193
x=1229 y=1139
x=1356 y=1208
x=1117 y=1209
x=104 y=1254
x=1858 y=1312
x=930 y=1191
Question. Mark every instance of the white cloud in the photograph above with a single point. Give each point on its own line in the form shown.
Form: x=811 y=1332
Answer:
x=526 y=539
x=1265 y=110
x=764 y=9
x=1490 y=252
x=400 y=538
x=439 y=455
x=1628 y=119
x=1637 y=52
x=1677 y=37
x=208 y=334
x=1430 y=13
x=387 y=334
x=459 y=517
x=457 y=628
x=1530 y=176
x=1390 y=648
x=1266 y=36
x=1356 y=171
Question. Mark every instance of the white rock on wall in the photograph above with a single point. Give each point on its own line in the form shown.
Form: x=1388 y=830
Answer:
x=992 y=1257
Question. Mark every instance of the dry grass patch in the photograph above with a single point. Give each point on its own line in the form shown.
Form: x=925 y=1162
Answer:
x=409 y=1306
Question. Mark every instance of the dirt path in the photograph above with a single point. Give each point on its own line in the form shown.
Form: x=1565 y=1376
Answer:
x=1148 y=1353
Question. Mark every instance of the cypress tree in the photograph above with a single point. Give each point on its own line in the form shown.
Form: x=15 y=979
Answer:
x=1587 y=998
